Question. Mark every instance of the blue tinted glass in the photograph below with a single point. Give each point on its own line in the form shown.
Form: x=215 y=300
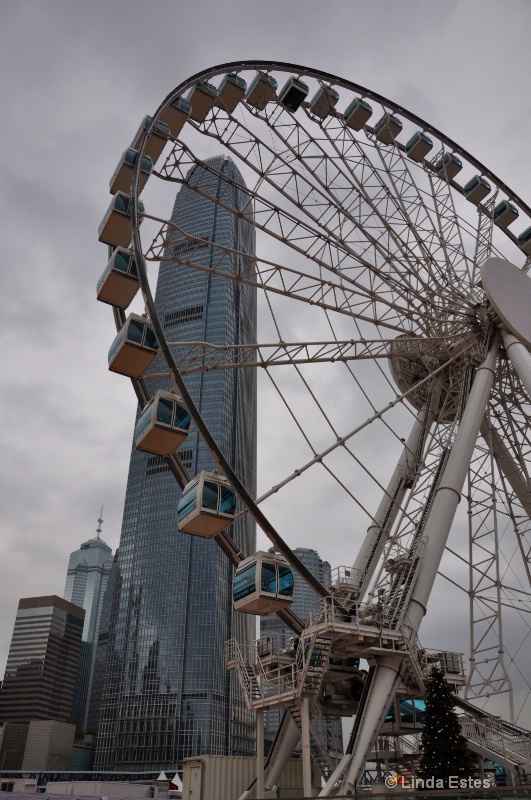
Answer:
x=268 y=579
x=420 y=711
x=121 y=262
x=144 y=422
x=406 y=710
x=187 y=503
x=135 y=331
x=182 y=417
x=285 y=581
x=164 y=411
x=228 y=500
x=115 y=345
x=390 y=717
x=244 y=582
x=151 y=340
x=210 y=496
x=121 y=203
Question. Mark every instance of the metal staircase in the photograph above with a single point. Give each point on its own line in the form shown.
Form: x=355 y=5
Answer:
x=311 y=660
x=319 y=748
x=492 y=738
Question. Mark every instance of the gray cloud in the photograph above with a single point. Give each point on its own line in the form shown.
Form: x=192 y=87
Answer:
x=78 y=78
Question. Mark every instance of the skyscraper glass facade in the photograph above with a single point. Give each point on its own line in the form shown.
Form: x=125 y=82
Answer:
x=166 y=692
x=86 y=581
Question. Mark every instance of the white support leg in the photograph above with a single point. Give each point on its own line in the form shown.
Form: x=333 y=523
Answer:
x=436 y=533
x=519 y=357
x=448 y=493
x=375 y=539
x=382 y=692
x=306 y=752
x=259 y=752
x=284 y=746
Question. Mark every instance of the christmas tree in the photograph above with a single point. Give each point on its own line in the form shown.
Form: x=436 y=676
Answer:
x=444 y=749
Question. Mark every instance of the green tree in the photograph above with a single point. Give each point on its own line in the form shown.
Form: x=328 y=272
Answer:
x=444 y=748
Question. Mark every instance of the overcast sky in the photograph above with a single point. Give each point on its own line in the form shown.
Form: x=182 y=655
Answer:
x=77 y=77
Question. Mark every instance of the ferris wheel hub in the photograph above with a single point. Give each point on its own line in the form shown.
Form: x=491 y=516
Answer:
x=412 y=359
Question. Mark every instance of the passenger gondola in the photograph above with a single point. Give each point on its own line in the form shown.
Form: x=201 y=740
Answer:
x=123 y=174
x=157 y=138
x=207 y=505
x=419 y=146
x=262 y=90
x=387 y=128
x=448 y=166
x=119 y=282
x=293 y=94
x=230 y=92
x=163 y=424
x=324 y=101
x=134 y=348
x=476 y=189
x=524 y=241
x=202 y=97
x=504 y=213
x=176 y=114
x=263 y=584
x=357 y=114
x=115 y=227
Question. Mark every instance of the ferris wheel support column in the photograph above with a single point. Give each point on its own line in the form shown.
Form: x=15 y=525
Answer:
x=519 y=357
x=449 y=491
x=375 y=539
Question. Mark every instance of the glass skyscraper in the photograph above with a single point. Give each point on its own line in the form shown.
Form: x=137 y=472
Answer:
x=166 y=693
x=86 y=581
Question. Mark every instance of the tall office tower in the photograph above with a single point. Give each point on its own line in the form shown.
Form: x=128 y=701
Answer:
x=304 y=598
x=167 y=694
x=43 y=659
x=86 y=580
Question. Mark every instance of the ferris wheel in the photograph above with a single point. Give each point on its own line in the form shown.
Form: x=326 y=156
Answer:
x=393 y=344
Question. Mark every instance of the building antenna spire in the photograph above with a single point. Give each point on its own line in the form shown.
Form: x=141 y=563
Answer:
x=99 y=521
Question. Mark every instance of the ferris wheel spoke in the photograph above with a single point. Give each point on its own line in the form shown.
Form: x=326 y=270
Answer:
x=426 y=232
x=353 y=229
x=366 y=285
x=458 y=264
x=331 y=249
x=376 y=209
x=203 y=356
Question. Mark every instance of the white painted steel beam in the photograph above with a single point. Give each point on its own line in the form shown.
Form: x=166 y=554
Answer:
x=448 y=493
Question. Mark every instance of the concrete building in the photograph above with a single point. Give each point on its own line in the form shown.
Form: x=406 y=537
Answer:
x=43 y=660
x=39 y=745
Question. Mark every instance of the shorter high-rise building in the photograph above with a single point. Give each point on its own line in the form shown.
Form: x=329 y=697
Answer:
x=43 y=660
x=304 y=597
x=86 y=581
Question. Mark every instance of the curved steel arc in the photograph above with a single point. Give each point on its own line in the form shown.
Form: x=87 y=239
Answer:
x=350 y=85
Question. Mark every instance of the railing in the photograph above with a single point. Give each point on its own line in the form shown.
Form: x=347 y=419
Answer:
x=261 y=685
x=346 y=578
x=494 y=736
x=328 y=612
